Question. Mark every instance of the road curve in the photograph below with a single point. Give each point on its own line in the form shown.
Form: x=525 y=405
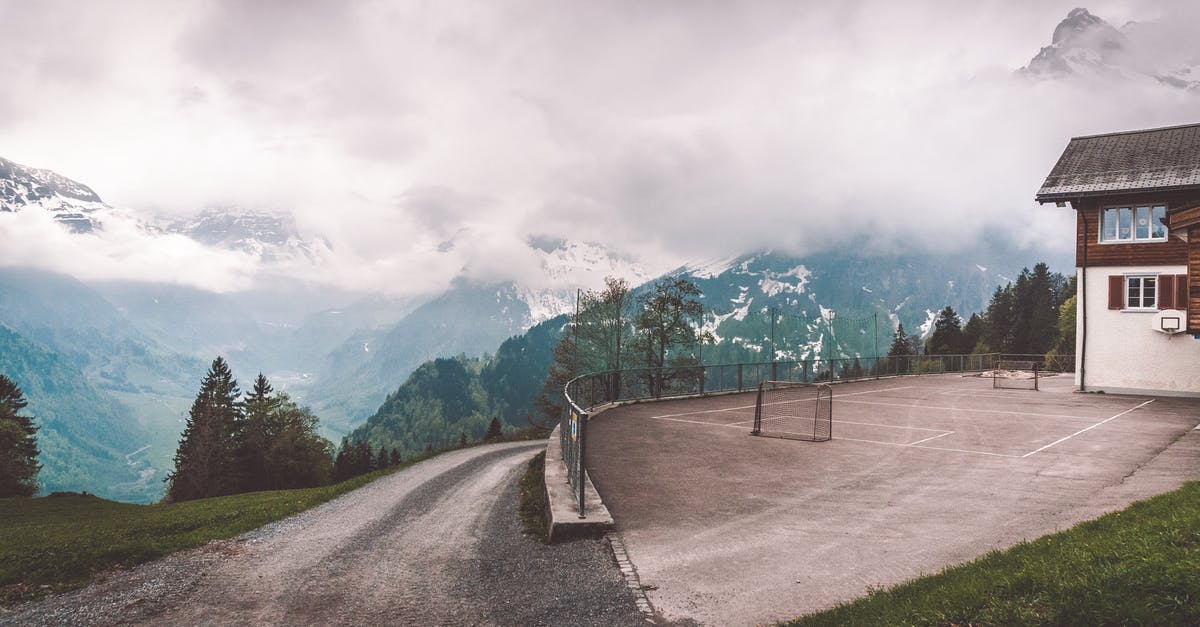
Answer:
x=437 y=543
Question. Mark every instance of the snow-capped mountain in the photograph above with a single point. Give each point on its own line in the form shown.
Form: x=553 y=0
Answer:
x=72 y=203
x=568 y=266
x=266 y=235
x=1084 y=45
x=840 y=304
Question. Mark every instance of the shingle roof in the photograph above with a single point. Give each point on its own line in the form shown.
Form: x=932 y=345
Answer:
x=1157 y=159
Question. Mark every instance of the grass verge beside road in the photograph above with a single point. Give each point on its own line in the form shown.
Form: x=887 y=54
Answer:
x=57 y=543
x=533 y=506
x=1137 y=566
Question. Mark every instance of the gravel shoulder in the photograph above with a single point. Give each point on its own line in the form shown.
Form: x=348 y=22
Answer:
x=437 y=543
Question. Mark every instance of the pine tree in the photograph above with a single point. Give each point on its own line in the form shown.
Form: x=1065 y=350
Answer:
x=493 y=431
x=206 y=460
x=343 y=464
x=18 y=443
x=947 y=337
x=901 y=347
x=259 y=431
x=395 y=457
x=381 y=460
x=364 y=459
x=462 y=439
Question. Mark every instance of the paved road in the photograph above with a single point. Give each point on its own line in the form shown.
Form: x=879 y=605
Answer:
x=438 y=543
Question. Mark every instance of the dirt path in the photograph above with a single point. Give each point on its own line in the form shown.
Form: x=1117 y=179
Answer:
x=437 y=543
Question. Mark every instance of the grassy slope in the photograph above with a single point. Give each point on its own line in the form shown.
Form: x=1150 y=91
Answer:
x=57 y=543
x=1137 y=566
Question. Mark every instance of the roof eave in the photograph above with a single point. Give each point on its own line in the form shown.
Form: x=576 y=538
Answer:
x=1056 y=197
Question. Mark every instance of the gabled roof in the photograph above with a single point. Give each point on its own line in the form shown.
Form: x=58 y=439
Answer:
x=1157 y=159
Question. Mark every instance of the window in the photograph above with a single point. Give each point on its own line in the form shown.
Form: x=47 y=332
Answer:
x=1147 y=292
x=1134 y=224
x=1140 y=292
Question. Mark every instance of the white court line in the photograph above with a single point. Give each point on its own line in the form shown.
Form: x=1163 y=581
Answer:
x=967 y=409
x=1064 y=439
x=932 y=437
x=916 y=444
x=716 y=411
x=932 y=448
x=851 y=422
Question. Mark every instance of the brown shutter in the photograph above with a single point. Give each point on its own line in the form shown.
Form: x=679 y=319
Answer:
x=1166 y=291
x=1181 y=291
x=1116 y=291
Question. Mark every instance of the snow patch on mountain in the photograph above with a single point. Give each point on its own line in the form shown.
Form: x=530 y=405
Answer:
x=773 y=283
x=927 y=326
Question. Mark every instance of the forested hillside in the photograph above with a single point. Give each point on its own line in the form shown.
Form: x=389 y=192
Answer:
x=87 y=439
x=447 y=398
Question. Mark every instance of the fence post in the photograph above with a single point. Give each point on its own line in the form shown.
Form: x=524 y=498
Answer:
x=739 y=377
x=582 y=475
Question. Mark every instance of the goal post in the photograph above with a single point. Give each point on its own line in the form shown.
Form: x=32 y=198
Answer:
x=794 y=411
x=1015 y=374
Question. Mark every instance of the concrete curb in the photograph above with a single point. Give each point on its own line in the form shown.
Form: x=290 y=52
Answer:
x=565 y=523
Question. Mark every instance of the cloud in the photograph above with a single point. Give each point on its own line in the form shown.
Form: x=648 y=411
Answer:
x=120 y=251
x=422 y=140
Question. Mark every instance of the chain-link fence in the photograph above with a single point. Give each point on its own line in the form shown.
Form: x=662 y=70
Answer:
x=585 y=393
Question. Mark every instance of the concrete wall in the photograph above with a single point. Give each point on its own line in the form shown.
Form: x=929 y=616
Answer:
x=1124 y=355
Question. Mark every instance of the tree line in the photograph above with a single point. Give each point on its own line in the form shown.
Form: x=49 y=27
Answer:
x=233 y=443
x=1034 y=315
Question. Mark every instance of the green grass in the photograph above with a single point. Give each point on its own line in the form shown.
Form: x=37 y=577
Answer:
x=532 y=505
x=62 y=542
x=1139 y=566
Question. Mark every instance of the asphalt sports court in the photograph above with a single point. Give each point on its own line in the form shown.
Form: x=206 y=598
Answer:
x=921 y=473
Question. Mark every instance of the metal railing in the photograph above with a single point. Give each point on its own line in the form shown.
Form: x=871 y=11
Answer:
x=584 y=393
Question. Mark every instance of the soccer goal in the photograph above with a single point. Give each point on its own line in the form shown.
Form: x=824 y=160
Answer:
x=796 y=411
x=1019 y=375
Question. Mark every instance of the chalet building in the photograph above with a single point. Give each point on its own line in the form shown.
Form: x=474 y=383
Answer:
x=1136 y=197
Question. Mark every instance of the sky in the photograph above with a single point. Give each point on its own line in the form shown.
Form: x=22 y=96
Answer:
x=429 y=140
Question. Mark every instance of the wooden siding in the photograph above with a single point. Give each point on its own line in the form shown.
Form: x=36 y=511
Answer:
x=1173 y=251
x=1193 y=305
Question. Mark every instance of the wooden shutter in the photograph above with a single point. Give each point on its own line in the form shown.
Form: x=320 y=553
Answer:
x=1181 y=291
x=1116 y=291
x=1166 y=291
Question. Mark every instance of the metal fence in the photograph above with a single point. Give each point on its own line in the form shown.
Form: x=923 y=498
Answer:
x=587 y=392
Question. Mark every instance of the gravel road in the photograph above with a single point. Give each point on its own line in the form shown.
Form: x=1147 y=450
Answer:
x=435 y=544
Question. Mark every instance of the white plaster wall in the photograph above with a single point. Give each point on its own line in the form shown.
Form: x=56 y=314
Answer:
x=1124 y=355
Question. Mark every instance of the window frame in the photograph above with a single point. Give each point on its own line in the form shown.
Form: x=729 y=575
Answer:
x=1132 y=208
x=1142 y=278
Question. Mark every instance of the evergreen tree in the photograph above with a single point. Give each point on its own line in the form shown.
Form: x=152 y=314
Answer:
x=901 y=347
x=973 y=332
x=947 y=337
x=381 y=460
x=462 y=439
x=18 y=443
x=343 y=464
x=493 y=431
x=257 y=434
x=395 y=457
x=564 y=368
x=206 y=460
x=363 y=458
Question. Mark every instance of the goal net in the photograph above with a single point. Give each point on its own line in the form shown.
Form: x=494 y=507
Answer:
x=1019 y=375
x=795 y=411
